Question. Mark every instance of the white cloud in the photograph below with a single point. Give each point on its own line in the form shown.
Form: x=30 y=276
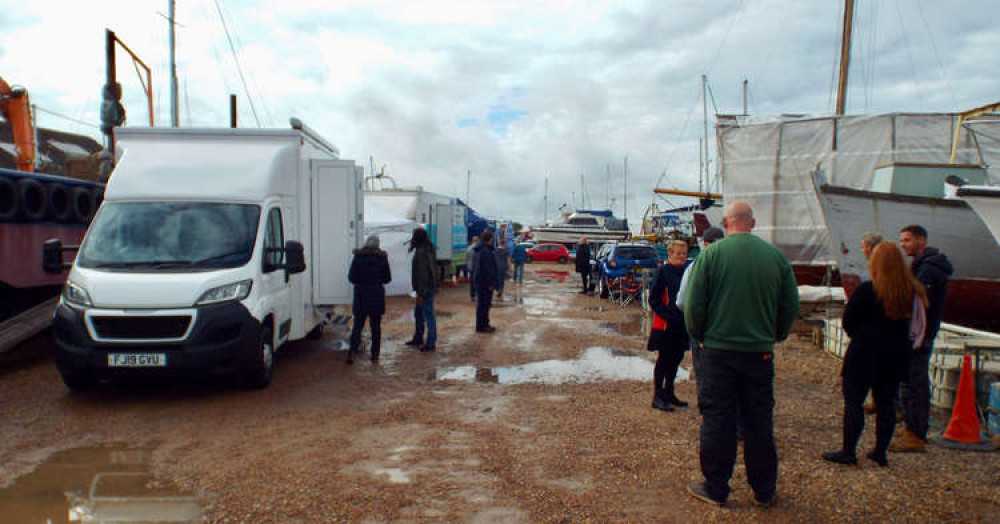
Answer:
x=513 y=91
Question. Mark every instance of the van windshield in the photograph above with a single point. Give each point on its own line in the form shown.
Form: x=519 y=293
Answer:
x=170 y=235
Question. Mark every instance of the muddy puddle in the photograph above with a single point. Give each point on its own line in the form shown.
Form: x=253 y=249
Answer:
x=96 y=485
x=537 y=306
x=595 y=364
x=548 y=276
x=636 y=327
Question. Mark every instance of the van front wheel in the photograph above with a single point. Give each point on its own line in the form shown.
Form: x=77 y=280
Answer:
x=260 y=364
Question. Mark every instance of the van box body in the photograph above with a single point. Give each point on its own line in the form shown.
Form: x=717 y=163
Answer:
x=202 y=191
x=443 y=216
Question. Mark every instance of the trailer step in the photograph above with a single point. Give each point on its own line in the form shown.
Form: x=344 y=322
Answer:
x=26 y=324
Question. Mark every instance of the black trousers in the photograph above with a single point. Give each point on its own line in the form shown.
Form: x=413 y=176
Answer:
x=585 y=276
x=668 y=360
x=915 y=395
x=737 y=388
x=375 y=322
x=884 y=392
x=484 y=300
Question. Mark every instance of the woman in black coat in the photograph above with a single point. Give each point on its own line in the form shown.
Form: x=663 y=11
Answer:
x=668 y=335
x=878 y=320
x=369 y=273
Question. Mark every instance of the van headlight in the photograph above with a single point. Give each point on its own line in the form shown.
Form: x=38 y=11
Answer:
x=229 y=292
x=76 y=295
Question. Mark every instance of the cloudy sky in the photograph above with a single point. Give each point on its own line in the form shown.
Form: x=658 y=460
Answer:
x=512 y=91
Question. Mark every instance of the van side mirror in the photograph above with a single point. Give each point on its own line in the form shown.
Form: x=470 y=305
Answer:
x=52 y=256
x=295 y=260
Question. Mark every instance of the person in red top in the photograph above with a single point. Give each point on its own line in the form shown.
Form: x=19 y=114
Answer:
x=668 y=335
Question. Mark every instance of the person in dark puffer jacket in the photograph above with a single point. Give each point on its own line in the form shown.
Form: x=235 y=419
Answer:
x=668 y=335
x=932 y=268
x=369 y=273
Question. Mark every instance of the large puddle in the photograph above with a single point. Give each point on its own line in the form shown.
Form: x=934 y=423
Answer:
x=548 y=276
x=95 y=485
x=595 y=364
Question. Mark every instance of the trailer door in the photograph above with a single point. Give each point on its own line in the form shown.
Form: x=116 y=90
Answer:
x=337 y=228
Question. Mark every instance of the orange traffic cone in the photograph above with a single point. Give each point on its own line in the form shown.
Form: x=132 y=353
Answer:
x=454 y=282
x=964 y=424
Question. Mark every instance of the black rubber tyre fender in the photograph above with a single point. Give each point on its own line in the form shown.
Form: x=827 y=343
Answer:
x=58 y=207
x=31 y=199
x=9 y=203
x=98 y=193
x=82 y=204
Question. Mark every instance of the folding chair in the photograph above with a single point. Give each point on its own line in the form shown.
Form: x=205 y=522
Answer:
x=629 y=288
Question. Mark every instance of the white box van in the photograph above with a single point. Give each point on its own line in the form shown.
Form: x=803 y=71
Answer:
x=212 y=248
x=443 y=216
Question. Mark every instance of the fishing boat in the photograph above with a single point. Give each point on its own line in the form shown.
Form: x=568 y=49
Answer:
x=952 y=225
x=598 y=226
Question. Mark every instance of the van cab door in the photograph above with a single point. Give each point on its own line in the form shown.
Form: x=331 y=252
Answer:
x=276 y=290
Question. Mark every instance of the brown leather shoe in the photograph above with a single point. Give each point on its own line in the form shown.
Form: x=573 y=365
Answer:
x=908 y=443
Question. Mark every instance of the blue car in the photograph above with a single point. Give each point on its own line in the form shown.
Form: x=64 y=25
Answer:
x=614 y=261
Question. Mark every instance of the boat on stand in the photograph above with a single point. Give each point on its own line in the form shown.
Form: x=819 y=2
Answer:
x=598 y=226
x=952 y=225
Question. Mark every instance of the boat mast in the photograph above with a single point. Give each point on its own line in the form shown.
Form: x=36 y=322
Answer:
x=703 y=172
x=845 y=56
x=174 y=106
x=625 y=205
x=545 y=212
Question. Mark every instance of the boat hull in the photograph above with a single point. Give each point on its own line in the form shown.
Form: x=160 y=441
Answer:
x=952 y=226
x=570 y=236
x=21 y=252
x=985 y=201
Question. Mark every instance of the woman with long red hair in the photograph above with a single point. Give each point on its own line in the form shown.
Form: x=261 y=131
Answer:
x=883 y=319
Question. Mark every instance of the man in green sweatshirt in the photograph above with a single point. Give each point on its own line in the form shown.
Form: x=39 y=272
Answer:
x=741 y=299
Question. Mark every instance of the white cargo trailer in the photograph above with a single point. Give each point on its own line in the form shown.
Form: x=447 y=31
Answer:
x=443 y=216
x=213 y=247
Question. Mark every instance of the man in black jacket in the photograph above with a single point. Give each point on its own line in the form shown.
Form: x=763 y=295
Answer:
x=369 y=273
x=932 y=268
x=484 y=274
x=583 y=263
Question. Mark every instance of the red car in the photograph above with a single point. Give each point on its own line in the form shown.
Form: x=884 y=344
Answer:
x=549 y=253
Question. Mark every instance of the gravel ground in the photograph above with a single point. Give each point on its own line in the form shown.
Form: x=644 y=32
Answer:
x=327 y=442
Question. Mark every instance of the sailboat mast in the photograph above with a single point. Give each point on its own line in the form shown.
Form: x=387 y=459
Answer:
x=703 y=174
x=545 y=216
x=174 y=106
x=625 y=205
x=845 y=56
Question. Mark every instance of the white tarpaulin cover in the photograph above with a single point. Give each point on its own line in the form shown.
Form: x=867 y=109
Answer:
x=393 y=232
x=767 y=162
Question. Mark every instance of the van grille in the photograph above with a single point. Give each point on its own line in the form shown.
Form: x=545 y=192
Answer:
x=140 y=328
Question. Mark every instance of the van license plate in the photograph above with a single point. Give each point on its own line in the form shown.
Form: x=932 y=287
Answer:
x=137 y=360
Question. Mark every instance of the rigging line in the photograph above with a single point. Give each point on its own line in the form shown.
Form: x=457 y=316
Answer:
x=711 y=96
x=71 y=119
x=718 y=51
x=944 y=72
x=869 y=73
x=261 y=99
x=834 y=69
x=909 y=55
x=673 y=150
x=215 y=52
x=239 y=69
